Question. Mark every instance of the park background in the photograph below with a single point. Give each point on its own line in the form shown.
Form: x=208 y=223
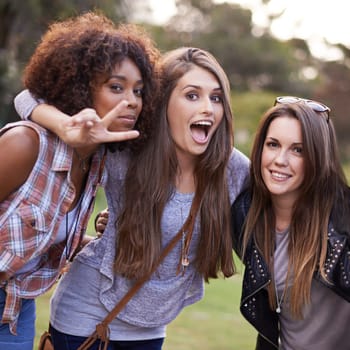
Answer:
x=268 y=48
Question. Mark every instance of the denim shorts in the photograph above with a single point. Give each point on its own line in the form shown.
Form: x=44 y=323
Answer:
x=25 y=327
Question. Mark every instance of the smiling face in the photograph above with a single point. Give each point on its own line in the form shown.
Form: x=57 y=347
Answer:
x=124 y=83
x=282 y=161
x=194 y=112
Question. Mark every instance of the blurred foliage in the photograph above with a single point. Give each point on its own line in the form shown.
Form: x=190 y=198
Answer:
x=258 y=65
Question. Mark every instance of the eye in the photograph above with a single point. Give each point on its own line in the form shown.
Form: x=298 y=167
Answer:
x=216 y=98
x=272 y=144
x=298 y=150
x=117 y=88
x=138 y=92
x=192 y=96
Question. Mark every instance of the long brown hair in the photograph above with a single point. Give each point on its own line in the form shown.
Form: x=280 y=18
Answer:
x=150 y=181
x=324 y=185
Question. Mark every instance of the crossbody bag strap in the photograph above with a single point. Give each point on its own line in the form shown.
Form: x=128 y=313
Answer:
x=102 y=330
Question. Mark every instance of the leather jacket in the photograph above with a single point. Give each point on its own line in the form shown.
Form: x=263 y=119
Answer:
x=254 y=299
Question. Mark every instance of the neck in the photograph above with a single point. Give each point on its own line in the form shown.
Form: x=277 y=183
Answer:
x=82 y=159
x=185 y=182
x=283 y=213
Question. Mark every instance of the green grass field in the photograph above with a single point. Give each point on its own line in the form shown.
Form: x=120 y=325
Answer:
x=214 y=323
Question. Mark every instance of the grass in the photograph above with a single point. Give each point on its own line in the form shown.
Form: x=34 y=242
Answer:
x=214 y=323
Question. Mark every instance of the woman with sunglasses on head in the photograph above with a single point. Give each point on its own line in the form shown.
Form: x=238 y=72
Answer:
x=48 y=188
x=190 y=159
x=292 y=230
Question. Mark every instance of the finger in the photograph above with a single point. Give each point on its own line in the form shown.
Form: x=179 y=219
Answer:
x=114 y=112
x=104 y=214
x=86 y=118
x=117 y=136
x=102 y=220
x=100 y=227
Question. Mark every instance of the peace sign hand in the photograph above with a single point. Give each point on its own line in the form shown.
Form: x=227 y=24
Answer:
x=86 y=128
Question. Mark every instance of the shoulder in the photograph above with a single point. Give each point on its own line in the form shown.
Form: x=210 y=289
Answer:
x=117 y=163
x=238 y=164
x=21 y=139
x=237 y=173
x=19 y=149
x=238 y=157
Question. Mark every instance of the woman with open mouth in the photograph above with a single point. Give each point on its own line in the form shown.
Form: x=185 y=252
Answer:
x=189 y=172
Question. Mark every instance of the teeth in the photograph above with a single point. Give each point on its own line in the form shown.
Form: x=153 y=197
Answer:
x=279 y=175
x=204 y=123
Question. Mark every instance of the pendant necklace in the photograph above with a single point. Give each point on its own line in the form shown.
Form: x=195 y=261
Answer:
x=278 y=300
x=69 y=231
x=280 y=242
x=185 y=243
x=83 y=162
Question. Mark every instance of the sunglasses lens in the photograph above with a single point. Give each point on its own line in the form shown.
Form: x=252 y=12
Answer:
x=287 y=99
x=317 y=106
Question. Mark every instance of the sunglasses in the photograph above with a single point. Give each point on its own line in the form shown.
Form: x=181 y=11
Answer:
x=316 y=106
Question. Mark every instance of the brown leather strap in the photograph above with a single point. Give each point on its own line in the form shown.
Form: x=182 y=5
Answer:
x=102 y=330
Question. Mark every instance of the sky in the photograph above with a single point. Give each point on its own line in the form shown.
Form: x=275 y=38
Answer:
x=311 y=20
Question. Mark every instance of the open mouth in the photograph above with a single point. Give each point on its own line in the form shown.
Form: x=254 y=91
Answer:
x=200 y=130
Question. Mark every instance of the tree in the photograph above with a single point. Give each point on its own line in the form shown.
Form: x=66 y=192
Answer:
x=251 y=62
x=21 y=25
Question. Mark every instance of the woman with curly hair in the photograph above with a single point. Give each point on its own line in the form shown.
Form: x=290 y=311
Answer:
x=83 y=65
x=189 y=159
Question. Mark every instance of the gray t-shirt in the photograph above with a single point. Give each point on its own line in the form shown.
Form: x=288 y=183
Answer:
x=326 y=322
x=91 y=288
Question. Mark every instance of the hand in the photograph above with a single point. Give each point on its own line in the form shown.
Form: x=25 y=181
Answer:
x=86 y=128
x=101 y=222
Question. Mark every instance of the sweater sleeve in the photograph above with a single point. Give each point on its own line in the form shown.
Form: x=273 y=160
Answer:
x=25 y=103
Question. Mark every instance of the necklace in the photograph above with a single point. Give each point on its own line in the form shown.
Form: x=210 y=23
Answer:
x=185 y=246
x=281 y=250
x=279 y=301
x=83 y=161
x=69 y=237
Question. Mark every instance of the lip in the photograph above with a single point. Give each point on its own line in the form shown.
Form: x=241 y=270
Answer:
x=128 y=118
x=279 y=176
x=200 y=130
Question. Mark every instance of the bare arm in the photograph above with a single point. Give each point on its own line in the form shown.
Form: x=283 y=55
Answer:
x=85 y=128
x=19 y=148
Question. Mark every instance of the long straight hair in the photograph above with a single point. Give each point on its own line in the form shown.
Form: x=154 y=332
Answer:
x=151 y=177
x=323 y=189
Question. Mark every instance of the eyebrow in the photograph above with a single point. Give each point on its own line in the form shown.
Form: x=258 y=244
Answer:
x=123 y=77
x=277 y=140
x=200 y=87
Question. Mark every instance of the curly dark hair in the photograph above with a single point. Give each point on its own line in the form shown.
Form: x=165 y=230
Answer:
x=75 y=54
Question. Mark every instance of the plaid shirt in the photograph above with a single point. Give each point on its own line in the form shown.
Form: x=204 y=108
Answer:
x=30 y=218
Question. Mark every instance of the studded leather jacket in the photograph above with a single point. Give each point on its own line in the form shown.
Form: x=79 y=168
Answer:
x=254 y=299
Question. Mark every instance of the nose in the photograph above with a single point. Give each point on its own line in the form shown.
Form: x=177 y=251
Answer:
x=131 y=99
x=281 y=158
x=207 y=107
